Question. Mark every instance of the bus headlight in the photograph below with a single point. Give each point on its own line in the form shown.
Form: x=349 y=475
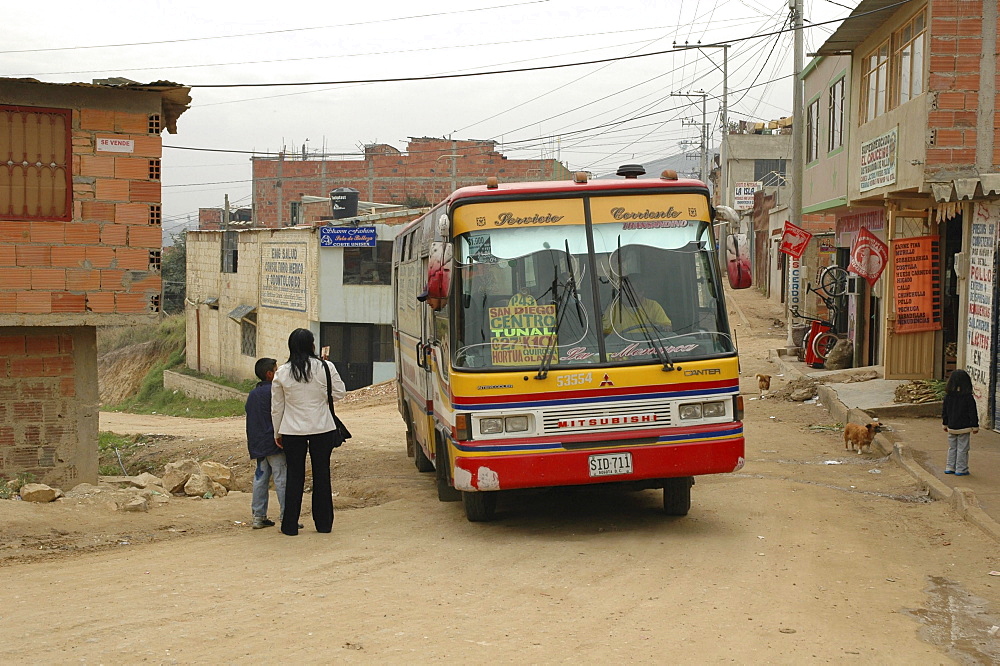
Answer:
x=711 y=410
x=691 y=411
x=516 y=423
x=490 y=426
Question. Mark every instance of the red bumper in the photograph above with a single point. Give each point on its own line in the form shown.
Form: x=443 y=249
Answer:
x=569 y=468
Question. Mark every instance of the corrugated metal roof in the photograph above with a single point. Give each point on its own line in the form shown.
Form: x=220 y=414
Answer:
x=853 y=31
x=239 y=313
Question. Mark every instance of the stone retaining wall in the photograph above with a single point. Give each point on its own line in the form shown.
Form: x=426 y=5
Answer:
x=200 y=388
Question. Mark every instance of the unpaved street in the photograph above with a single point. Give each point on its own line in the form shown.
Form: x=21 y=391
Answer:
x=791 y=560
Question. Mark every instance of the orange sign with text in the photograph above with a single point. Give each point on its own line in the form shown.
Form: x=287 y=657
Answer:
x=917 y=284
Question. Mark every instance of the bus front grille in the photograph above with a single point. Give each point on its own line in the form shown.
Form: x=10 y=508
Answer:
x=622 y=417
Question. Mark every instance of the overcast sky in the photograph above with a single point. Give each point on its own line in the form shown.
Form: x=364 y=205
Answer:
x=591 y=117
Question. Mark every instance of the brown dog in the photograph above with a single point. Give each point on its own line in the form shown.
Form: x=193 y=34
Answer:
x=764 y=384
x=859 y=436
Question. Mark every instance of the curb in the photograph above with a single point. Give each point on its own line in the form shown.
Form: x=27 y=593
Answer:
x=962 y=500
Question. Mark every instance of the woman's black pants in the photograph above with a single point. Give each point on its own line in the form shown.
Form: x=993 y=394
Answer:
x=319 y=446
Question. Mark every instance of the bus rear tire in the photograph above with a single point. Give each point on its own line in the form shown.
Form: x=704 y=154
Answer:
x=446 y=493
x=421 y=460
x=677 y=496
x=480 y=507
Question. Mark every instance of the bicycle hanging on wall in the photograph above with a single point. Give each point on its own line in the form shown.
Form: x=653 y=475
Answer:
x=821 y=338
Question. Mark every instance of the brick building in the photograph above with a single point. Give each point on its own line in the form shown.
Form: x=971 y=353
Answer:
x=426 y=173
x=901 y=146
x=80 y=243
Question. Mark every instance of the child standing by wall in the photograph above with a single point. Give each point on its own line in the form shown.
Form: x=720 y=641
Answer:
x=260 y=442
x=961 y=420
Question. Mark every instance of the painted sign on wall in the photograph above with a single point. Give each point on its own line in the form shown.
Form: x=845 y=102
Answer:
x=878 y=160
x=917 y=284
x=982 y=244
x=283 y=276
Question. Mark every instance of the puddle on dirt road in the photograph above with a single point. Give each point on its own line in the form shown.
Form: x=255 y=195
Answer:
x=958 y=622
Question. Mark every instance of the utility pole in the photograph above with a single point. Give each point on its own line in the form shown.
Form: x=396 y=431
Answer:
x=703 y=132
x=724 y=111
x=798 y=136
x=225 y=215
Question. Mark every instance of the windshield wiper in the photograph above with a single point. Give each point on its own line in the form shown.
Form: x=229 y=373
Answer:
x=645 y=324
x=561 y=297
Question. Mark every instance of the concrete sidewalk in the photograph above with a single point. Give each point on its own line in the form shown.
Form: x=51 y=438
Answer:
x=913 y=436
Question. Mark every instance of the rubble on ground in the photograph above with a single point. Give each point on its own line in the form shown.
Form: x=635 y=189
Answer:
x=797 y=390
x=141 y=492
x=39 y=492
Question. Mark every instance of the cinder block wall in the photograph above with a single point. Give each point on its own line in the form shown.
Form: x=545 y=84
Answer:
x=48 y=404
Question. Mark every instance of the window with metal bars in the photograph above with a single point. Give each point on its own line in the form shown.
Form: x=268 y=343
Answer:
x=230 y=252
x=248 y=334
x=35 y=163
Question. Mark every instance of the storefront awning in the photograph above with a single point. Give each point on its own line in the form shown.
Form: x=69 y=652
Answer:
x=239 y=313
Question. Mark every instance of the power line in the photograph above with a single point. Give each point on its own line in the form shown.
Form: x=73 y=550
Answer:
x=434 y=77
x=276 y=32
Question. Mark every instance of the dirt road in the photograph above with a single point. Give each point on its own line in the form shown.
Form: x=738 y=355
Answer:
x=808 y=554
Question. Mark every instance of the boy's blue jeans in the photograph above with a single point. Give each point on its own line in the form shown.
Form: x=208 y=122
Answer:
x=271 y=467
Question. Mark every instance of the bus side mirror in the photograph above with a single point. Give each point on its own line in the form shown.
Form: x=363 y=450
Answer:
x=738 y=262
x=438 y=275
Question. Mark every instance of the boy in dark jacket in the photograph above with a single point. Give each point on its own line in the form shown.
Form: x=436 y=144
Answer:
x=260 y=441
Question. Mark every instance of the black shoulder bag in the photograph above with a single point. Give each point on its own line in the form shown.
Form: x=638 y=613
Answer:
x=343 y=434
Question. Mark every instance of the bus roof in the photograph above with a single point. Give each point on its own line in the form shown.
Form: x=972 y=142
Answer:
x=536 y=188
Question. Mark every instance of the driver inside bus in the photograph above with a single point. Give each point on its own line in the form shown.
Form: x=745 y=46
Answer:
x=634 y=310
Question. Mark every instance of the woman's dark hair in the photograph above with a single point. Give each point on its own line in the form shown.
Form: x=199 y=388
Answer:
x=959 y=382
x=301 y=347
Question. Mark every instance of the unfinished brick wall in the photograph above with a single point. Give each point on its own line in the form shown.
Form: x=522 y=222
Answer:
x=428 y=172
x=105 y=258
x=48 y=404
x=956 y=58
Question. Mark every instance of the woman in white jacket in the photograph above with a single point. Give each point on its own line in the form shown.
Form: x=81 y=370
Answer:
x=302 y=420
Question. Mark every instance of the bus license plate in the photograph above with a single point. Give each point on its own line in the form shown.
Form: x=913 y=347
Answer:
x=610 y=464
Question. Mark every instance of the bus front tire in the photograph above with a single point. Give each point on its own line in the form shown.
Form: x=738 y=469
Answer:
x=480 y=507
x=421 y=460
x=677 y=496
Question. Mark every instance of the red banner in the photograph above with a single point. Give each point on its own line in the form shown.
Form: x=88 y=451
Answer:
x=794 y=240
x=917 y=270
x=869 y=256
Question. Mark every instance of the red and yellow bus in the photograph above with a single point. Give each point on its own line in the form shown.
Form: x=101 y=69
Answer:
x=566 y=333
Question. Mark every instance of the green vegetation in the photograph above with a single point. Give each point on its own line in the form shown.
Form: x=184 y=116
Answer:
x=168 y=335
x=10 y=488
x=152 y=398
x=110 y=446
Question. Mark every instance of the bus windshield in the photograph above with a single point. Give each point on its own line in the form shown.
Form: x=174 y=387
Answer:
x=535 y=296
